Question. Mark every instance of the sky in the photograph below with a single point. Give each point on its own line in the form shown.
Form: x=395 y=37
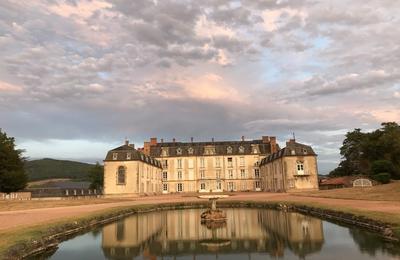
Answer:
x=77 y=77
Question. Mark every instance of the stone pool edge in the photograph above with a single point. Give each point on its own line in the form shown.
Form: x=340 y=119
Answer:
x=53 y=236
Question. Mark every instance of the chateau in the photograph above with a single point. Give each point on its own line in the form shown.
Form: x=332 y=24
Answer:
x=215 y=166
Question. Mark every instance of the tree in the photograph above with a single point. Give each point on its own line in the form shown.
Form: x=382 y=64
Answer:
x=12 y=173
x=96 y=176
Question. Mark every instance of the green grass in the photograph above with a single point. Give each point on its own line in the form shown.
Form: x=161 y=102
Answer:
x=50 y=169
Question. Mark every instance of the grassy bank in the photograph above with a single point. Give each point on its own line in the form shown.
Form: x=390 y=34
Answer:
x=22 y=240
x=387 y=192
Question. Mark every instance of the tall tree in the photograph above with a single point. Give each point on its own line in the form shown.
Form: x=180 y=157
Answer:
x=12 y=173
x=96 y=176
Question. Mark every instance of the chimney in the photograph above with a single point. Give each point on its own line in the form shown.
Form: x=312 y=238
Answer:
x=126 y=142
x=242 y=138
x=291 y=141
x=212 y=139
x=272 y=141
x=265 y=139
x=146 y=148
x=132 y=145
x=173 y=140
x=153 y=141
x=191 y=139
x=162 y=140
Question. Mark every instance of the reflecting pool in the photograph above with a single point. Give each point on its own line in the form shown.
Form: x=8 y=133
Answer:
x=247 y=234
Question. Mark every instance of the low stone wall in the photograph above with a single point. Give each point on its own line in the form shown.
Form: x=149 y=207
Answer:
x=54 y=235
x=15 y=196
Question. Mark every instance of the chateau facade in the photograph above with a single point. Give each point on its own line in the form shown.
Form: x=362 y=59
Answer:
x=169 y=167
x=211 y=166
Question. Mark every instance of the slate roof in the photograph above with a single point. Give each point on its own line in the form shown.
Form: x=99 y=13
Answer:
x=220 y=148
x=135 y=155
x=292 y=149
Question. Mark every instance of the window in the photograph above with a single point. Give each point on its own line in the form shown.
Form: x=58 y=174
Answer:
x=120 y=230
x=229 y=150
x=257 y=173
x=300 y=167
x=179 y=151
x=241 y=149
x=121 y=175
x=230 y=162
x=165 y=164
x=217 y=162
x=128 y=156
x=241 y=161
x=190 y=150
x=219 y=185
x=218 y=174
x=231 y=186
x=165 y=187
x=164 y=151
x=202 y=186
x=179 y=175
x=202 y=164
x=165 y=176
x=115 y=156
x=180 y=187
x=242 y=173
x=258 y=185
x=179 y=163
x=202 y=174
x=255 y=150
x=230 y=174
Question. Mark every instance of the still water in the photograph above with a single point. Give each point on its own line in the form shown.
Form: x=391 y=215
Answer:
x=247 y=234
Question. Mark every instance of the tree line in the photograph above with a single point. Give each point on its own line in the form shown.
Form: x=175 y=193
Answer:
x=376 y=153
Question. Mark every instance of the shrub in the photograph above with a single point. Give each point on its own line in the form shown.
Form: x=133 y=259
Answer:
x=380 y=166
x=382 y=177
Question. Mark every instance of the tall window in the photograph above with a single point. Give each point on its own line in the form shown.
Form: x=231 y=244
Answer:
x=179 y=175
x=218 y=174
x=165 y=164
x=241 y=161
x=120 y=231
x=180 y=187
x=257 y=173
x=219 y=185
x=242 y=173
x=217 y=162
x=230 y=164
x=179 y=163
x=121 y=175
x=230 y=174
x=202 y=164
x=258 y=185
x=165 y=187
x=202 y=186
x=202 y=174
x=165 y=176
x=300 y=167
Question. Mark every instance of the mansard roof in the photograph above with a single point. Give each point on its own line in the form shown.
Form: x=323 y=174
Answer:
x=122 y=153
x=292 y=149
x=176 y=149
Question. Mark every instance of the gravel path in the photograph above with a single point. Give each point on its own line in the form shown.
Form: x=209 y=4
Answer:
x=30 y=217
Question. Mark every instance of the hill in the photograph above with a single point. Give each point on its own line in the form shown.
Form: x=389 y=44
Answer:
x=50 y=168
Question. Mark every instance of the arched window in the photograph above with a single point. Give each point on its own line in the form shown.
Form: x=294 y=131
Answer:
x=362 y=183
x=121 y=175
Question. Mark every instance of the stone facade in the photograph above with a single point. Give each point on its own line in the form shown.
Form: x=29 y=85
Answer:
x=127 y=171
x=211 y=166
x=293 y=168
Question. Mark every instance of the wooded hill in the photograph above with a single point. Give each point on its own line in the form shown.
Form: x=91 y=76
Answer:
x=53 y=169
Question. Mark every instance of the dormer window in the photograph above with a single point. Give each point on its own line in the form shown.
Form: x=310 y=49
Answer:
x=241 y=149
x=255 y=150
x=115 y=156
x=293 y=152
x=179 y=151
x=164 y=151
x=304 y=150
x=128 y=156
x=190 y=150
x=229 y=149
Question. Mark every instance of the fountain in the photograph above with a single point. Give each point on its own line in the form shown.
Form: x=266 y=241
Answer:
x=213 y=217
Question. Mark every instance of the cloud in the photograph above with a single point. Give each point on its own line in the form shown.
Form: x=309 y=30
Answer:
x=101 y=70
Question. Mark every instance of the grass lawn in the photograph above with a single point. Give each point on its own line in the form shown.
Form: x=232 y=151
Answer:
x=387 y=192
x=35 y=204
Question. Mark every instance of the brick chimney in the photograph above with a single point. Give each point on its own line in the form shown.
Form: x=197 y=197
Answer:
x=242 y=138
x=153 y=141
x=126 y=142
x=272 y=141
x=146 y=148
x=265 y=139
x=173 y=140
x=191 y=139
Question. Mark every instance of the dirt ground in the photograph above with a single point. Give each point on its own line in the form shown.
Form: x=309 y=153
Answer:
x=28 y=217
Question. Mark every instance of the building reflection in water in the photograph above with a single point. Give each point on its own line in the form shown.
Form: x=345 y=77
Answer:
x=179 y=232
